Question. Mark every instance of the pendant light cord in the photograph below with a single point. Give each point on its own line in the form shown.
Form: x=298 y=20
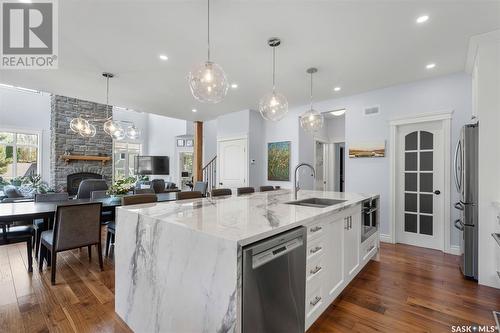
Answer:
x=208 y=29
x=274 y=68
x=311 y=95
x=107 y=96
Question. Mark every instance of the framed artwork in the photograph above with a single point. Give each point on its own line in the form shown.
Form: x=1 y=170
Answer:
x=278 y=161
x=180 y=143
x=189 y=143
x=372 y=149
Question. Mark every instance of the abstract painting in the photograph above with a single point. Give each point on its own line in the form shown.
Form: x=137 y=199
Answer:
x=278 y=161
x=376 y=149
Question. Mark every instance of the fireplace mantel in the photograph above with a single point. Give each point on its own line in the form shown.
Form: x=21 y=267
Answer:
x=69 y=158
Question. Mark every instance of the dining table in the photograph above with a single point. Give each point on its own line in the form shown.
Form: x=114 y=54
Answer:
x=25 y=211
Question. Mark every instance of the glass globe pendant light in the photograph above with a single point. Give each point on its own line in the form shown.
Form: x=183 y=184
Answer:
x=207 y=81
x=88 y=131
x=132 y=132
x=78 y=124
x=110 y=126
x=311 y=120
x=273 y=106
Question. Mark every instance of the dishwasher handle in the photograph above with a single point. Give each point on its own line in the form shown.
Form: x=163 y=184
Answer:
x=275 y=252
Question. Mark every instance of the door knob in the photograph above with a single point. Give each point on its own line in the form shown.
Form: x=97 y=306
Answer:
x=437 y=192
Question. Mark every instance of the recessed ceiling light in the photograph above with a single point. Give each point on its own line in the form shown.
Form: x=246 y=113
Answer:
x=163 y=57
x=337 y=89
x=422 y=19
x=194 y=110
x=430 y=66
x=338 y=112
x=234 y=85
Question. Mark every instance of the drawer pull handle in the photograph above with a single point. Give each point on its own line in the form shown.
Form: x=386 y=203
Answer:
x=315 y=301
x=316 y=229
x=315 y=270
x=316 y=249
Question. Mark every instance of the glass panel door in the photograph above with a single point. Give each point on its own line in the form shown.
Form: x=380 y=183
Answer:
x=418 y=182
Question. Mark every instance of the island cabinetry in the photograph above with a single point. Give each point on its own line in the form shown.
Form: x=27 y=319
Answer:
x=333 y=258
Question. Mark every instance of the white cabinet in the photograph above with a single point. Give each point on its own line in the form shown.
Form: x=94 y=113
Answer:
x=333 y=258
x=352 y=240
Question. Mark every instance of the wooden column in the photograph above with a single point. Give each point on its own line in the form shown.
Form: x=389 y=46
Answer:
x=198 y=151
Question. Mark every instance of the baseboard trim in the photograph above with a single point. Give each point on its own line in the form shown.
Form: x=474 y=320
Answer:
x=385 y=238
x=454 y=249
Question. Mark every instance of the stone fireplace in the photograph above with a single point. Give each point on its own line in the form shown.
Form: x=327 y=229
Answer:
x=63 y=141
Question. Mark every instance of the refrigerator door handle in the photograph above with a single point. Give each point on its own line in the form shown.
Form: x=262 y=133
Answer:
x=455 y=166
x=459 y=225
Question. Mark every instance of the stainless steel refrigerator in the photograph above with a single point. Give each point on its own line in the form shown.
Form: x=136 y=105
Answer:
x=466 y=181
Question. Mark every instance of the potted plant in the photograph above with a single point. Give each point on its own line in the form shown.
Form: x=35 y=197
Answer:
x=121 y=187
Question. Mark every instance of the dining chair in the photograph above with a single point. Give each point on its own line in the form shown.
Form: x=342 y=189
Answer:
x=87 y=186
x=158 y=185
x=19 y=234
x=201 y=187
x=217 y=192
x=144 y=191
x=42 y=225
x=100 y=194
x=75 y=226
x=188 y=195
x=127 y=200
x=266 y=188
x=107 y=216
x=244 y=190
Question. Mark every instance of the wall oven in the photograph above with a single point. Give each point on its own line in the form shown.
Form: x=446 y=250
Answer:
x=370 y=218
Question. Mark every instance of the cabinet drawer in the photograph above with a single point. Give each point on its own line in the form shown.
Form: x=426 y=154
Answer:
x=369 y=247
x=314 y=301
x=315 y=269
x=316 y=248
x=315 y=230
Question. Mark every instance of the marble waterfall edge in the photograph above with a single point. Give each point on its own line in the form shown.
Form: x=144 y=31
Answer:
x=173 y=279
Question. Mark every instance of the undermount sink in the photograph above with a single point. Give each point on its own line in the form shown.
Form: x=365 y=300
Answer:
x=316 y=202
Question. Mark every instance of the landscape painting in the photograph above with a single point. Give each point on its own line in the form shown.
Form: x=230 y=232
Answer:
x=376 y=149
x=278 y=161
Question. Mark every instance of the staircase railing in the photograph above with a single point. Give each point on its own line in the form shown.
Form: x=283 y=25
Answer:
x=210 y=173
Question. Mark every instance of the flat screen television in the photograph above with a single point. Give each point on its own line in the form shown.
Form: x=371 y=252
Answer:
x=152 y=165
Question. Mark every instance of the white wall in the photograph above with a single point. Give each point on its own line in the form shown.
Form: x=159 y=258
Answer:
x=209 y=140
x=29 y=111
x=335 y=128
x=487 y=97
x=235 y=124
x=447 y=93
x=256 y=151
x=161 y=140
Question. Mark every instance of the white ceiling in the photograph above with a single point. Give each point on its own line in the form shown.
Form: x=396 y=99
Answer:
x=358 y=45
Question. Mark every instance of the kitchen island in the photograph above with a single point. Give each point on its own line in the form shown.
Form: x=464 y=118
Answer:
x=178 y=264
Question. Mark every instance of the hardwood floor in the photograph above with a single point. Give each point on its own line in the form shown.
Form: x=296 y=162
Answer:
x=410 y=290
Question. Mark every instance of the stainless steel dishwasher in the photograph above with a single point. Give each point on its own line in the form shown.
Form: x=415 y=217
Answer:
x=274 y=284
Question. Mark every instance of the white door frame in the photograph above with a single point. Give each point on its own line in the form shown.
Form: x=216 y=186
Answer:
x=445 y=118
x=231 y=138
x=326 y=161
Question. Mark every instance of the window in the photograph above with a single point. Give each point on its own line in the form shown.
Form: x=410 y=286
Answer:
x=123 y=159
x=19 y=154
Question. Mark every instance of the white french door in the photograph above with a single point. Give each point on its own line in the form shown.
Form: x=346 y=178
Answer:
x=232 y=163
x=420 y=183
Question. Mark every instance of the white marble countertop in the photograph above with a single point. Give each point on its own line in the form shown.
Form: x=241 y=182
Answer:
x=245 y=218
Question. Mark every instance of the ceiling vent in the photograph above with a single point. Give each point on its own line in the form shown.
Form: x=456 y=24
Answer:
x=372 y=111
